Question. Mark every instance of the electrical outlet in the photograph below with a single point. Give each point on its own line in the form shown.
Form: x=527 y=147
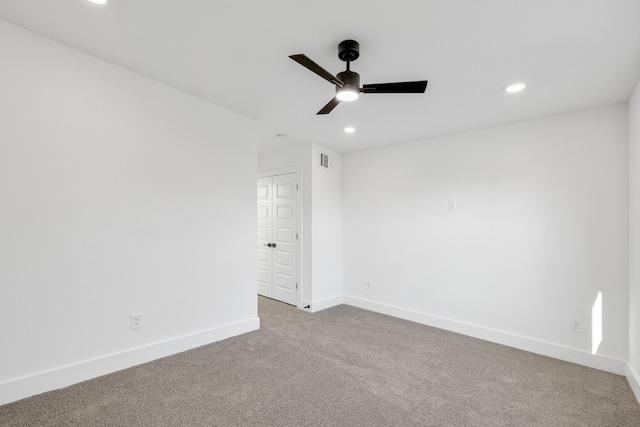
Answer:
x=453 y=205
x=136 y=321
x=575 y=326
x=367 y=286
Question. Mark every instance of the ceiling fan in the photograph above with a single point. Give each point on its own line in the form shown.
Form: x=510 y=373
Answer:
x=348 y=82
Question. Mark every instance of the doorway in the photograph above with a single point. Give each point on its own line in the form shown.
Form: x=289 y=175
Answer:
x=278 y=237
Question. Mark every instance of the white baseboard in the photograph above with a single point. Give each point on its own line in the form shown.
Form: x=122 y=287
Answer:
x=556 y=351
x=634 y=381
x=314 y=307
x=326 y=303
x=64 y=376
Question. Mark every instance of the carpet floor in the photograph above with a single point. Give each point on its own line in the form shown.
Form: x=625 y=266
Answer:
x=340 y=367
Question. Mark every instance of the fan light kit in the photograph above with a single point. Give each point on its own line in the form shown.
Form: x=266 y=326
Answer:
x=513 y=87
x=347 y=83
x=347 y=94
x=98 y=1
x=349 y=129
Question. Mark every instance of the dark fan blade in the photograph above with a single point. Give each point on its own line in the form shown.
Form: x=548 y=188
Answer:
x=403 y=87
x=308 y=63
x=330 y=106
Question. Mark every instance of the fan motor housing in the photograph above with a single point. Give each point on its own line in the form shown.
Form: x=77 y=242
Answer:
x=349 y=50
x=350 y=80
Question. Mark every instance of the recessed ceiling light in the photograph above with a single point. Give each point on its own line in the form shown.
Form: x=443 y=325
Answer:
x=349 y=129
x=98 y=1
x=513 y=87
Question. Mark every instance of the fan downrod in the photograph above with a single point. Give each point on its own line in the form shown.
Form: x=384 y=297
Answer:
x=349 y=50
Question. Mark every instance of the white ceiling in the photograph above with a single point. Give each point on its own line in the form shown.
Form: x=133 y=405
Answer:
x=576 y=54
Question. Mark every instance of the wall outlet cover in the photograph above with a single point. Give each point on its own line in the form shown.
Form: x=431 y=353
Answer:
x=575 y=325
x=136 y=321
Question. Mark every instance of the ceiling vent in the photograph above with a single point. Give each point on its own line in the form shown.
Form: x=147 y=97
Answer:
x=325 y=161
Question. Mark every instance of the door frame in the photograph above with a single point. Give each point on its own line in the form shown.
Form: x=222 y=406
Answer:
x=299 y=223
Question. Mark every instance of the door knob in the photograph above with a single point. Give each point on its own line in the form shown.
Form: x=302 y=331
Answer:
x=267 y=244
x=273 y=245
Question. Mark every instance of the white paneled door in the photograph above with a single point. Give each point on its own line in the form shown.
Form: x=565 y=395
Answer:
x=278 y=237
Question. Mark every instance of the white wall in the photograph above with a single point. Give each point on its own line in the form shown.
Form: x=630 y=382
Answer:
x=541 y=228
x=634 y=243
x=327 y=229
x=118 y=195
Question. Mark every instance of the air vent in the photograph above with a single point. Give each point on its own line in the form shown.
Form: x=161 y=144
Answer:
x=325 y=161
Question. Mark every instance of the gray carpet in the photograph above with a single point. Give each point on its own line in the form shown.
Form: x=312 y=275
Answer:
x=340 y=367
